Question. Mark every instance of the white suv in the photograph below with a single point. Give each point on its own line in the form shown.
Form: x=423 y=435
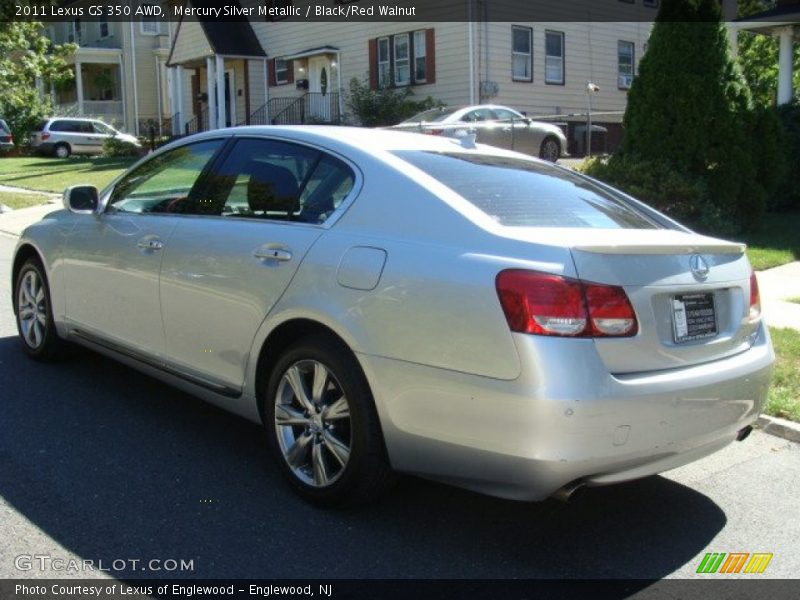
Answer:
x=64 y=136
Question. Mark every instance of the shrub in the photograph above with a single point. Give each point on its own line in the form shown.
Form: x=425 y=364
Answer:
x=787 y=193
x=114 y=147
x=386 y=105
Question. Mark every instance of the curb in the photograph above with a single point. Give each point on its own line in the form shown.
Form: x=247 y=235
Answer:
x=781 y=428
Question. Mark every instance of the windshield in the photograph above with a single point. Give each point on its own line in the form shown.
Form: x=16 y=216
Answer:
x=435 y=115
x=525 y=193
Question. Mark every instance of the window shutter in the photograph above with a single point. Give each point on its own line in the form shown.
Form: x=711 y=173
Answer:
x=289 y=71
x=430 y=56
x=271 y=69
x=373 y=63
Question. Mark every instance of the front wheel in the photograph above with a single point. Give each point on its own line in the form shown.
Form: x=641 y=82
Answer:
x=34 y=312
x=550 y=149
x=322 y=425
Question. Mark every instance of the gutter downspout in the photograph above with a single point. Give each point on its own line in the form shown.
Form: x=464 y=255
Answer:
x=339 y=85
x=471 y=44
x=135 y=86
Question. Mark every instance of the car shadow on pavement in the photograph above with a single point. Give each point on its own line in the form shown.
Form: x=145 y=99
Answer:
x=112 y=465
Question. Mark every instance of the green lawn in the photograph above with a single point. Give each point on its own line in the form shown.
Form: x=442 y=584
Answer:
x=776 y=243
x=784 y=396
x=17 y=200
x=54 y=175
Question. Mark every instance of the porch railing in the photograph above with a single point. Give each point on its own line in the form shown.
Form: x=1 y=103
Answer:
x=313 y=107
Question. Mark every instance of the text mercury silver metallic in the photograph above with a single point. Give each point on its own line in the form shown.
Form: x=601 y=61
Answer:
x=383 y=301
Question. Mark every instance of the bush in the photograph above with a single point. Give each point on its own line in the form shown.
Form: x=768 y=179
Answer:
x=114 y=147
x=787 y=193
x=386 y=105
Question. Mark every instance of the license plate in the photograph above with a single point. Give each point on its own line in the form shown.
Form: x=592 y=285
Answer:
x=694 y=317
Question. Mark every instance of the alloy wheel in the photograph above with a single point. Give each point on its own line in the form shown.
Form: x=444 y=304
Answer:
x=32 y=309
x=312 y=422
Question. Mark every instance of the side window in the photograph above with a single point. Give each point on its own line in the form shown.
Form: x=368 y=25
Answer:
x=102 y=128
x=166 y=183
x=59 y=126
x=266 y=179
x=506 y=115
x=86 y=127
x=480 y=114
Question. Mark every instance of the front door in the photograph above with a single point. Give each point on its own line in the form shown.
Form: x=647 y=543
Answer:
x=226 y=270
x=319 y=85
x=113 y=261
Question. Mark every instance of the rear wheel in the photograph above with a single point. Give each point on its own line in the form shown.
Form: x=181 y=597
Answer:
x=34 y=312
x=62 y=151
x=322 y=425
x=550 y=149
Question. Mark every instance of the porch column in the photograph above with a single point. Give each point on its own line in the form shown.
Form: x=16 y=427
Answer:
x=211 y=79
x=79 y=86
x=267 y=117
x=785 y=92
x=179 y=100
x=221 y=92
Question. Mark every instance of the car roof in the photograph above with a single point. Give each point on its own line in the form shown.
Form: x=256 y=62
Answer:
x=360 y=138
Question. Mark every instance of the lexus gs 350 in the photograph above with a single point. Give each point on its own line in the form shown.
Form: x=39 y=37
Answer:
x=390 y=302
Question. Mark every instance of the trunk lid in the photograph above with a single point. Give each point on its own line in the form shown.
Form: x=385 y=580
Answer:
x=672 y=278
x=655 y=268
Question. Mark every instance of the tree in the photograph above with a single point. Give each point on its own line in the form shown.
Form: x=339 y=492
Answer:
x=27 y=57
x=758 y=57
x=690 y=108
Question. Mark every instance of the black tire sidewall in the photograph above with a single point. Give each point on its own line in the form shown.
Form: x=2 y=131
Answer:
x=50 y=345
x=365 y=434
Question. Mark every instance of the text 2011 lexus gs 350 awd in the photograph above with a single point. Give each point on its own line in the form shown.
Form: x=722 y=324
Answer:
x=385 y=301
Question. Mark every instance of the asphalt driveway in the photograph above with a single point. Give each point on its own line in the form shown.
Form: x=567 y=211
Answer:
x=99 y=462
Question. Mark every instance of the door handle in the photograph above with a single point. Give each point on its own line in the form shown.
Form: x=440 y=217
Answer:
x=150 y=244
x=267 y=253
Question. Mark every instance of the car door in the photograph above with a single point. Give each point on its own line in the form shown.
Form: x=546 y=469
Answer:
x=228 y=266
x=100 y=132
x=112 y=261
x=489 y=130
x=515 y=132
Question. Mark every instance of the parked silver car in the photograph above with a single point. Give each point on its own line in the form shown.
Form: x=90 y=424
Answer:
x=384 y=301
x=6 y=139
x=64 y=136
x=492 y=124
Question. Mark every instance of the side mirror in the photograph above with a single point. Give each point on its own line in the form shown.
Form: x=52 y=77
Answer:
x=81 y=199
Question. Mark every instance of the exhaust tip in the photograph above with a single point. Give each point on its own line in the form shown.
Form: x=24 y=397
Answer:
x=743 y=433
x=568 y=491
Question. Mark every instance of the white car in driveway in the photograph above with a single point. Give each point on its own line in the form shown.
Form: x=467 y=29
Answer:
x=61 y=136
x=384 y=301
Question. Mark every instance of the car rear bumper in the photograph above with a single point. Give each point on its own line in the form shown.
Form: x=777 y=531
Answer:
x=565 y=419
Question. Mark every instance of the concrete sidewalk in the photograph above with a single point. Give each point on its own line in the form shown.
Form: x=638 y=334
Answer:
x=776 y=285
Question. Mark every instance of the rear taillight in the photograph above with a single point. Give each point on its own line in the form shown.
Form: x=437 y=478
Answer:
x=547 y=304
x=755 y=297
x=45 y=137
x=10 y=139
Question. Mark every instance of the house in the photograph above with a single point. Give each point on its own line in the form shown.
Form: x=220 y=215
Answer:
x=120 y=73
x=293 y=71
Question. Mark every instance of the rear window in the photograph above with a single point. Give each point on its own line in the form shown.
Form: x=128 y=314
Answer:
x=3 y=126
x=434 y=115
x=40 y=126
x=523 y=193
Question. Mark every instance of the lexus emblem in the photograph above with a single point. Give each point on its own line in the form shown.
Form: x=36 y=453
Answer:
x=699 y=266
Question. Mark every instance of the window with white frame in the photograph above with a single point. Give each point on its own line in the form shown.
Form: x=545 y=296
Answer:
x=150 y=24
x=554 y=57
x=384 y=62
x=74 y=31
x=626 y=64
x=521 y=53
x=105 y=30
x=420 y=57
x=281 y=71
x=402 y=60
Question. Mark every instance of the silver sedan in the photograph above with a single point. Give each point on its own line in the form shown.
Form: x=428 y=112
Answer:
x=494 y=125
x=388 y=302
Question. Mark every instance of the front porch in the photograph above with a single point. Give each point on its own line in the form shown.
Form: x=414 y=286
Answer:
x=96 y=91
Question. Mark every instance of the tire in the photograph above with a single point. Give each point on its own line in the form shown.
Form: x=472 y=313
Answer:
x=62 y=151
x=328 y=443
x=550 y=150
x=34 y=313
